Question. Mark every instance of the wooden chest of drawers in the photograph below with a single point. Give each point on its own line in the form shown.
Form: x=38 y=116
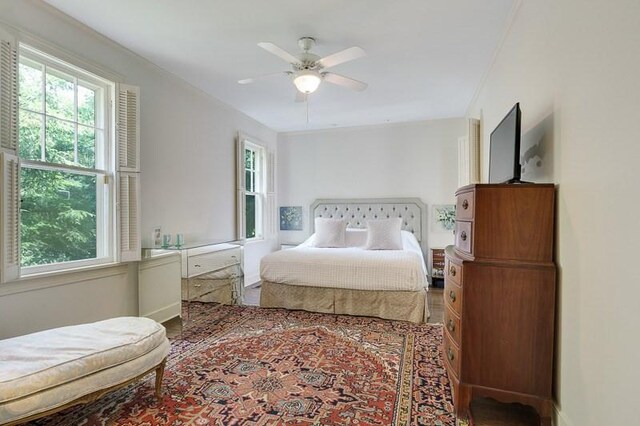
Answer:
x=500 y=296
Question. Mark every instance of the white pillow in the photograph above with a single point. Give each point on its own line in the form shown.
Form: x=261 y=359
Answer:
x=355 y=237
x=330 y=232
x=384 y=234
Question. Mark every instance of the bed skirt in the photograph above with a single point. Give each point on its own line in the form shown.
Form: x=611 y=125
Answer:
x=388 y=304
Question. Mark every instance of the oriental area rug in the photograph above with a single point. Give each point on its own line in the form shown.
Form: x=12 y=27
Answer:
x=236 y=365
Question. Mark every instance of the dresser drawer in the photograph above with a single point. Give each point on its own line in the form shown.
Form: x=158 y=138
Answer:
x=209 y=290
x=465 y=205
x=452 y=324
x=453 y=296
x=203 y=263
x=453 y=271
x=464 y=236
x=451 y=354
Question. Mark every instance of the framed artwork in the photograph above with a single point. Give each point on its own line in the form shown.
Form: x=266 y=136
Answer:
x=443 y=217
x=156 y=237
x=291 y=218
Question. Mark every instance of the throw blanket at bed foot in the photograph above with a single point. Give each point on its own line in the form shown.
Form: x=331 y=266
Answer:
x=252 y=366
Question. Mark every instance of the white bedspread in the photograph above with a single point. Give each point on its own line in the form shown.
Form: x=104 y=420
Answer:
x=350 y=267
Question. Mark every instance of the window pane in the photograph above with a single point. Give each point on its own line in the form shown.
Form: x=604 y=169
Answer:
x=247 y=180
x=86 y=146
x=247 y=159
x=29 y=137
x=86 y=105
x=58 y=217
x=250 y=216
x=60 y=95
x=30 y=87
x=60 y=139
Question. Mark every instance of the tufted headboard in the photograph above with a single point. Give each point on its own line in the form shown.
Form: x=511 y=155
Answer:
x=358 y=210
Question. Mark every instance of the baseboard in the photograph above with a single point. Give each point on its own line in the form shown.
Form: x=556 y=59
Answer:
x=251 y=279
x=165 y=314
x=559 y=418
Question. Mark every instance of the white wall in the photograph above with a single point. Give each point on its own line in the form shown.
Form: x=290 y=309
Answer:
x=416 y=159
x=574 y=66
x=188 y=163
x=55 y=301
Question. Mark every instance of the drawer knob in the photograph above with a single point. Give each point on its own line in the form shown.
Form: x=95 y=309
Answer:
x=451 y=326
x=452 y=295
x=197 y=266
x=450 y=354
x=452 y=271
x=465 y=204
x=463 y=236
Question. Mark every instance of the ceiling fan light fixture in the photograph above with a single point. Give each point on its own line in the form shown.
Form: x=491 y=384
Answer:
x=307 y=81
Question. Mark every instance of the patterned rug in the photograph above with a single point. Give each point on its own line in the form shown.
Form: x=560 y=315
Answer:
x=252 y=366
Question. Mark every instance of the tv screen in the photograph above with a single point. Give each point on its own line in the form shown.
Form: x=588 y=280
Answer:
x=504 y=157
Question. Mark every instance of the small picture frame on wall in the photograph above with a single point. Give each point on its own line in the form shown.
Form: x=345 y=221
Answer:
x=291 y=218
x=156 y=237
x=443 y=217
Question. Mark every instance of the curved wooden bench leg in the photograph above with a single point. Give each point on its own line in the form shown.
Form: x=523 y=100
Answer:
x=159 y=374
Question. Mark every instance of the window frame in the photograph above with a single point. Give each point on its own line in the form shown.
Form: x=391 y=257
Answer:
x=259 y=187
x=104 y=156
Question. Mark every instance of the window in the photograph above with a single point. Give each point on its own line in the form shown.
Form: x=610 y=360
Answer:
x=254 y=185
x=69 y=148
x=256 y=198
x=66 y=165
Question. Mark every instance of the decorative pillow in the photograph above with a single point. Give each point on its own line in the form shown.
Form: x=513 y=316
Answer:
x=384 y=234
x=355 y=237
x=330 y=232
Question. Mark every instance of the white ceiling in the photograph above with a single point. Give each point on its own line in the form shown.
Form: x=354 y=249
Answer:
x=425 y=58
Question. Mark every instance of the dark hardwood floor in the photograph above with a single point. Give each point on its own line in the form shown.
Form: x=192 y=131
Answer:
x=436 y=305
x=485 y=412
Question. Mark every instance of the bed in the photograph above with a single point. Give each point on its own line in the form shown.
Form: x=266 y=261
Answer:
x=388 y=284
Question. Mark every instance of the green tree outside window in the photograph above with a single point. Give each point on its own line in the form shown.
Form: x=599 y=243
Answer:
x=57 y=125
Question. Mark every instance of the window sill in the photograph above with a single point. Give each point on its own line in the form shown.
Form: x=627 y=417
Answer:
x=42 y=280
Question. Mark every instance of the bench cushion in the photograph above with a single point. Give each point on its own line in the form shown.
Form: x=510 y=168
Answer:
x=39 y=361
x=59 y=396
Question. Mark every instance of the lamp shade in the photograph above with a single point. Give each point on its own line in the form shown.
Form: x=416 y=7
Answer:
x=307 y=81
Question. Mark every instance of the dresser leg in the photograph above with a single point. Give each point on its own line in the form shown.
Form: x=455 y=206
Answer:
x=463 y=419
x=546 y=412
x=464 y=400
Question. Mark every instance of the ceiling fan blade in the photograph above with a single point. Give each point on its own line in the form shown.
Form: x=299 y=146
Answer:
x=341 y=80
x=261 y=77
x=278 y=51
x=341 y=57
x=300 y=97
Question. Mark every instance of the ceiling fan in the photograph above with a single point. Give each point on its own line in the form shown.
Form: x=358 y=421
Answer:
x=309 y=69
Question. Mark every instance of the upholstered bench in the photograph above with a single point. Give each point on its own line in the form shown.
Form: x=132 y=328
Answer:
x=45 y=372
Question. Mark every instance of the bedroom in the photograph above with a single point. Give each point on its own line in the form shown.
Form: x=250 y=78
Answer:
x=572 y=66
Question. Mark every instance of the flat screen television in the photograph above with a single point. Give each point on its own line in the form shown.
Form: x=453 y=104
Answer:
x=504 y=156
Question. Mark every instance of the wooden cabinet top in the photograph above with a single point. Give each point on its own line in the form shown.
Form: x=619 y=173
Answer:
x=474 y=186
x=506 y=222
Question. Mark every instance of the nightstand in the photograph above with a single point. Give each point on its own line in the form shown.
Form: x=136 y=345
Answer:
x=437 y=267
